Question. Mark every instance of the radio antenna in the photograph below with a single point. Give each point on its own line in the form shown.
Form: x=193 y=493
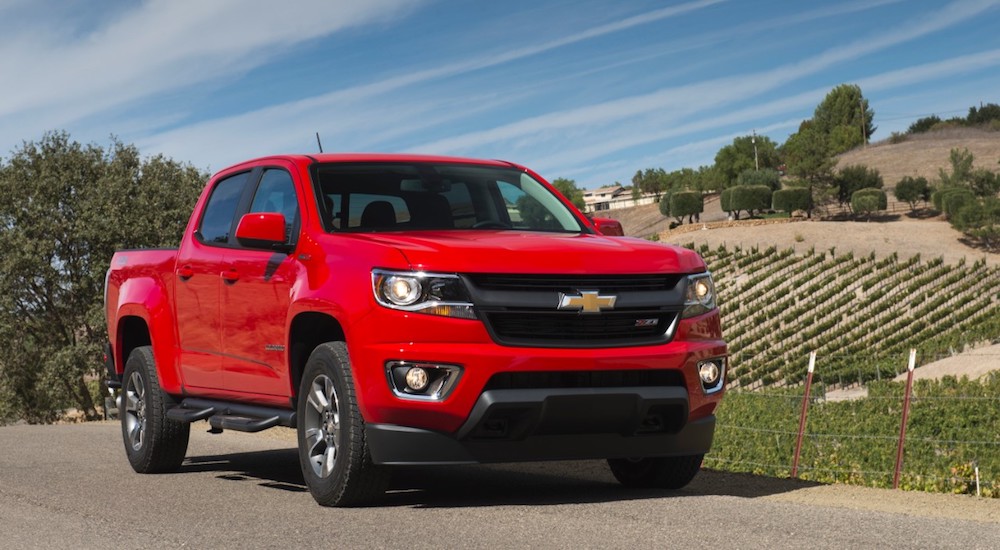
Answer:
x=318 y=142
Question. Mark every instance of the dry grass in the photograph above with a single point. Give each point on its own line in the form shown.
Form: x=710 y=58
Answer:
x=925 y=154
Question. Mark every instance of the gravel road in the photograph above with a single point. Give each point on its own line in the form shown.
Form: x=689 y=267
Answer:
x=69 y=486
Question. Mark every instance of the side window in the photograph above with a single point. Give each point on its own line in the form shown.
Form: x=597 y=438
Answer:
x=217 y=221
x=276 y=193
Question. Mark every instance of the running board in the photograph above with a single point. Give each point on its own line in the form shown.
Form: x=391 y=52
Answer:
x=228 y=415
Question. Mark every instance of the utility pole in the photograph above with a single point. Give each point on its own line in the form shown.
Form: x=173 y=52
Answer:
x=864 y=127
x=753 y=140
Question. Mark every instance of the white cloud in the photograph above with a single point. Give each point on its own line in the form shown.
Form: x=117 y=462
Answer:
x=158 y=46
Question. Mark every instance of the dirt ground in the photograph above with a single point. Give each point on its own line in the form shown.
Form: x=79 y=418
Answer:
x=929 y=238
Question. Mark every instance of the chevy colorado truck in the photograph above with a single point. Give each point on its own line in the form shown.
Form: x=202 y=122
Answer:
x=406 y=310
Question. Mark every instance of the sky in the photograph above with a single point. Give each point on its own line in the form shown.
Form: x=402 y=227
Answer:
x=589 y=90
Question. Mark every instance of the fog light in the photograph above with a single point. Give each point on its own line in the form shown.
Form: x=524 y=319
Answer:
x=709 y=373
x=712 y=373
x=417 y=379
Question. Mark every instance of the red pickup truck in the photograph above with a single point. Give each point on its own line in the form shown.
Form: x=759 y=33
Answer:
x=402 y=310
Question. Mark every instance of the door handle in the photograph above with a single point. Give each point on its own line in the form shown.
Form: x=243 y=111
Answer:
x=230 y=276
x=185 y=272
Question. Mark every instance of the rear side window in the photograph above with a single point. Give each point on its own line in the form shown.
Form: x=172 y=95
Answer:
x=217 y=221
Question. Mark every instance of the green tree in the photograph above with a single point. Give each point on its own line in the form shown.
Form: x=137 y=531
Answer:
x=851 y=178
x=984 y=183
x=961 y=168
x=651 y=180
x=923 y=124
x=752 y=198
x=844 y=107
x=685 y=203
x=983 y=115
x=569 y=190
x=869 y=200
x=738 y=156
x=807 y=155
x=67 y=207
x=766 y=176
x=792 y=199
x=913 y=190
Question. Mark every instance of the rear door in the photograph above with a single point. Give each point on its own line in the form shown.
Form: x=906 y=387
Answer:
x=200 y=264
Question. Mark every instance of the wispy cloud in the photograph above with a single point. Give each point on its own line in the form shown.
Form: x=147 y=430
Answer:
x=159 y=46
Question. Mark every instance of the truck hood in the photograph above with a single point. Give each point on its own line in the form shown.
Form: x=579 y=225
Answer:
x=479 y=251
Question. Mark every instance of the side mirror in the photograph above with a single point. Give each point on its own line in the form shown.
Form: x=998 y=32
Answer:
x=262 y=230
x=607 y=226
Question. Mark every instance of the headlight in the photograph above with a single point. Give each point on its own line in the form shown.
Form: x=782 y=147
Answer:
x=432 y=293
x=699 y=297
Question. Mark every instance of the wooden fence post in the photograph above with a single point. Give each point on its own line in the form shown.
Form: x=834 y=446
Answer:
x=906 y=415
x=802 y=416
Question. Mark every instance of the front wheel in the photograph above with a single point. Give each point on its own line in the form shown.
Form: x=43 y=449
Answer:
x=333 y=452
x=153 y=442
x=670 y=472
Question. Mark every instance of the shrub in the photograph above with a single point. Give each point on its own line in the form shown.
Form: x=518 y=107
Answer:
x=923 y=124
x=868 y=201
x=912 y=190
x=750 y=198
x=790 y=200
x=897 y=137
x=852 y=178
x=765 y=176
x=686 y=203
x=954 y=199
x=977 y=214
x=984 y=183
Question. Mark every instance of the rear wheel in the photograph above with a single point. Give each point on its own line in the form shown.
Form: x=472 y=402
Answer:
x=153 y=442
x=670 y=472
x=333 y=453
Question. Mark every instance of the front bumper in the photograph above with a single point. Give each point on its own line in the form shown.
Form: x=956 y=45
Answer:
x=554 y=424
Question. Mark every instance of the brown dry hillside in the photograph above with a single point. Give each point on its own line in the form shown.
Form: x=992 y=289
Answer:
x=925 y=154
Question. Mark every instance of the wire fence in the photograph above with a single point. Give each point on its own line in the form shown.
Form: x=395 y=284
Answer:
x=934 y=435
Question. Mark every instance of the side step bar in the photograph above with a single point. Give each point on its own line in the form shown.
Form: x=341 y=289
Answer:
x=227 y=415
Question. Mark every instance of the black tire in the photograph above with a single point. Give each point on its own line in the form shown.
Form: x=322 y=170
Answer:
x=672 y=472
x=153 y=442
x=333 y=452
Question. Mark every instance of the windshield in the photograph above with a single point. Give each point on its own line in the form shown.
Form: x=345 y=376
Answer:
x=408 y=197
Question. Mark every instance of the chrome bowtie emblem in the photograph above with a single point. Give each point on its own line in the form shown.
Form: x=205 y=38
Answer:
x=588 y=301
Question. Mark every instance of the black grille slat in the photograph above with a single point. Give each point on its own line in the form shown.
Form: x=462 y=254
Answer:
x=563 y=283
x=572 y=326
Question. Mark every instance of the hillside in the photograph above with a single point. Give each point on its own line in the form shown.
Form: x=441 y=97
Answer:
x=924 y=154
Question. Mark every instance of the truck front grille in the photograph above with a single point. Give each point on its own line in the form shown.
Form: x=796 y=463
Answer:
x=532 y=327
x=525 y=310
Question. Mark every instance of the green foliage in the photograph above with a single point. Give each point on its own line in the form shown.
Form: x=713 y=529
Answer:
x=792 y=199
x=951 y=427
x=766 y=176
x=961 y=168
x=777 y=306
x=868 y=201
x=984 y=115
x=686 y=203
x=852 y=178
x=953 y=199
x=807 y=154
x=726 y=202
x=913 y=190
x=651 y=180
x=923 y=124
x=984 y=183
x=734 y=159
x=980 y=220
x=844 y=116
x=752 y=198
x=67 y=207
x=569 y=190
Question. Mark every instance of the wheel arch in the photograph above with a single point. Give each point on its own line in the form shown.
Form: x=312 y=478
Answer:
x=308 y=330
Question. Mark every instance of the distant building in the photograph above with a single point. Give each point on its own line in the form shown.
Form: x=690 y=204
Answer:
x=613 y=197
